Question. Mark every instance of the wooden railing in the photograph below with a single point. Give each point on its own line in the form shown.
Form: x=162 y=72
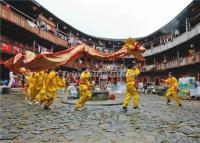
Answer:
x=74 y=65
x=11 y=16
x=175 y=63
x=178 y=40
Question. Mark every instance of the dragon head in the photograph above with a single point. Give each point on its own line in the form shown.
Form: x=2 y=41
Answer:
x=132 y=45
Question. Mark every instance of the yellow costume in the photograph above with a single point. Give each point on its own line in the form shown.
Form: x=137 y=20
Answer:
x=172 y=91
x=50 y=88
x=39 y=79
x=29 y=87
x=131 y=89
x=84 y=89
x=42 y=87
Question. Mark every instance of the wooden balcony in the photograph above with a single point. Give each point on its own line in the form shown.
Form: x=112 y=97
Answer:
x=177 y=41
x=175 y=63
x=74 y=65
x=14 y=18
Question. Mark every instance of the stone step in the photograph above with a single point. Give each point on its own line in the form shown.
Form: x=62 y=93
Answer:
x=8 y=90
x=4 y=90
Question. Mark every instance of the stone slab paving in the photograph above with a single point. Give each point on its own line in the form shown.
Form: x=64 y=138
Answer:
x=155 y=122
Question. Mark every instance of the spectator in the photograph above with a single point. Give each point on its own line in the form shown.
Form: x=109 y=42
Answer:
x=72 y=92
x=12 y=79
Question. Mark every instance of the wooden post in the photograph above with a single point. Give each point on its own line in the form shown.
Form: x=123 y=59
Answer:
x=57 y=26
x=186 y=25
x=165 y=62
x=177 y=58
x=34 y=46
x=151 y=45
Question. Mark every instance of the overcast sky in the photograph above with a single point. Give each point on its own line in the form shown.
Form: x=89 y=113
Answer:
x=116 y=18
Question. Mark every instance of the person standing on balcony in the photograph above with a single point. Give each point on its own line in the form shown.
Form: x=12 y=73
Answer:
x=84 y=88
x=131 y=88
x=173 y=89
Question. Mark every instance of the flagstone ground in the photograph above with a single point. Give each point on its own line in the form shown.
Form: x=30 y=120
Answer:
x=155 y=122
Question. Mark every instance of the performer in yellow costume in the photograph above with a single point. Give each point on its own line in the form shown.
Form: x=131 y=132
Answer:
x=42 y=87
x=173 y=87
x=39 y=79
x=84 y=88
x=30 y=86
x=48 y=91
x=131 y=90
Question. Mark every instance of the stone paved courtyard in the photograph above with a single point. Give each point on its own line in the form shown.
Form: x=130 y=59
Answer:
x=154 y=123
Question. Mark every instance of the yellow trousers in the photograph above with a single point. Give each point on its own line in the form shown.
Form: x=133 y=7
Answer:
x=28 y=92
x=85 y=95
x=174 y=94
x=131 y=93
x=31 y=93
x=47 y=97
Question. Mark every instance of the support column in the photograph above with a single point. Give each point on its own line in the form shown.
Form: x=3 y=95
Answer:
x=178 y=57
x=187 y=24
x=91 y=61
x=113 y=47
x=57 y=26
x=151 y=45
x=34 y=46
x=165 y=61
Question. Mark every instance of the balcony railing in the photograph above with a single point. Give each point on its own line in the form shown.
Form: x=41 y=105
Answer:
x=74 y=65
x=175 y=63
x=178 y=40
x=9 y=15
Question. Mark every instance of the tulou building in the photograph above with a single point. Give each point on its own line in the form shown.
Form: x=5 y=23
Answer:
x=175 y=47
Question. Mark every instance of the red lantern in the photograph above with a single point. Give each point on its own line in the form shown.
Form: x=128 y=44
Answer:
x=112 y=97
x=6 y=48
x=15 y=50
